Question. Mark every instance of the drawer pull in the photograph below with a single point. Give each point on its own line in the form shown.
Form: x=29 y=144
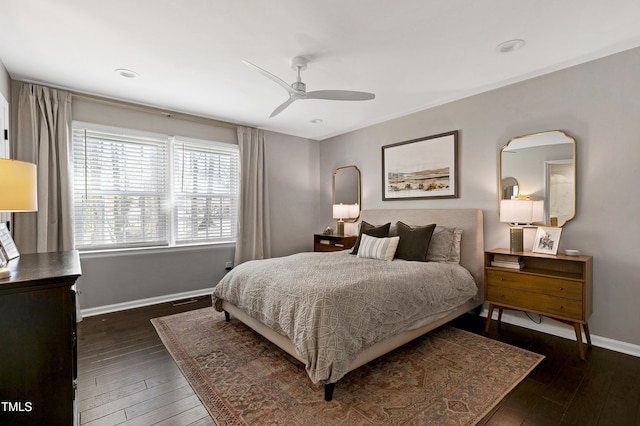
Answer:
x=561 y=307
x=561 y=288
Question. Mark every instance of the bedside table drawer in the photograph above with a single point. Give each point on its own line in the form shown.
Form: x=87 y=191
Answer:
x=535 y=302
x=536 y=284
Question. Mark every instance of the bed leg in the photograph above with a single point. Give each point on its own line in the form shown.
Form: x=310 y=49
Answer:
x=328 y=391
x=227 y=317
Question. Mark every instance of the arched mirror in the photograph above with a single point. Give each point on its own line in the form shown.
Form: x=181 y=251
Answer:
x=346 y=187
x=541 y=166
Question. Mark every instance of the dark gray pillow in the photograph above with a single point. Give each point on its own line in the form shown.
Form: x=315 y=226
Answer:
x=371 y=230
x=414 y=241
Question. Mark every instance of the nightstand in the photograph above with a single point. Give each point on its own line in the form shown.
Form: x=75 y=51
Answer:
x=556 y=286
x=330 y=242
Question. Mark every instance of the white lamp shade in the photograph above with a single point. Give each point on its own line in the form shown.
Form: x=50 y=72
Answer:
x=354 y=211
x=521 y=211
x=341 y=211
x=18 y=186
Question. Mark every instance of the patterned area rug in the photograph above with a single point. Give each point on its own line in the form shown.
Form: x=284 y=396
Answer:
x=446 y=377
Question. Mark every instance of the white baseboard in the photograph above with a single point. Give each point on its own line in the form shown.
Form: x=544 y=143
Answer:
x=144 y=302
x=559 y=329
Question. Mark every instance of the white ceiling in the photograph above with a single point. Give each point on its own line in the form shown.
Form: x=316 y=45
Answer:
x=413 y=54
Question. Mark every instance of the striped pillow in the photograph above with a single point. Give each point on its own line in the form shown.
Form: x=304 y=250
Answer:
x=377 y=248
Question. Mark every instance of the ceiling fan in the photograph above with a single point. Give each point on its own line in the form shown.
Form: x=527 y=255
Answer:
x=298 y=90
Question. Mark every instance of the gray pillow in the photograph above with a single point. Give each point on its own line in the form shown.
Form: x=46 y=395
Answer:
x=414 y=241
x=371 y=230
x=445 y=245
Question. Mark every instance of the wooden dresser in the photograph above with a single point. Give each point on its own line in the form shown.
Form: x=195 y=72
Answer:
x=556 y=286
x=38 y=339
x=330 y=242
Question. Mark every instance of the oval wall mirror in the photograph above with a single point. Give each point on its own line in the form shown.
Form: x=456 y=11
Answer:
x=346 y=187
x=541 y=166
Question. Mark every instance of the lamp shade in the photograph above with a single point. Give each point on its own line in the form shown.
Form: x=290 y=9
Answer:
x=18 y=186
x=341 y=211
x=521 y=211
x=354 y=211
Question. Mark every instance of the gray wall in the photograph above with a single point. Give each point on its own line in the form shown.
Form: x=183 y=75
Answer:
x=121 y=278
x=598 y=103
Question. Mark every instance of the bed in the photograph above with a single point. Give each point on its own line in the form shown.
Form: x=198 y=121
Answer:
x=287 y=300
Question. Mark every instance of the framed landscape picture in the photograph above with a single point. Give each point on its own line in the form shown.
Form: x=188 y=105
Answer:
x=547 y=240
x=421 y=168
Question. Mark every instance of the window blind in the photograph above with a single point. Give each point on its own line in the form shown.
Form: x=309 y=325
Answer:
x=205 y=192
x=138 y=190
x=120 y=190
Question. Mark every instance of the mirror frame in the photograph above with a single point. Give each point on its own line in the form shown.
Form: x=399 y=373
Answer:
x=546 y=207
x=359 y=189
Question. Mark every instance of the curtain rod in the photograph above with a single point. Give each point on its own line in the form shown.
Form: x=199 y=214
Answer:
x=154 y=110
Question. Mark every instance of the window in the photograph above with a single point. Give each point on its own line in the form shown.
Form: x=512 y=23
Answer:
x=134 y=189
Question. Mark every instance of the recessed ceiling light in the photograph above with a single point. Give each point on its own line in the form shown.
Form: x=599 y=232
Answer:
x=316 y=121
x=123 y=72
x=510 y=46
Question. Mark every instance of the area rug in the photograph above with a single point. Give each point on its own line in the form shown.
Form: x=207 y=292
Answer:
x=446 y=377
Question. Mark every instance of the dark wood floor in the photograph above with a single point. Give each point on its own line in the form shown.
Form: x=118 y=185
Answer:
x=126 y=376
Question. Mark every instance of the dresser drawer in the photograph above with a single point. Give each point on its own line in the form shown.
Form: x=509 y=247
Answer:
x=551 y=286
x=535 y=302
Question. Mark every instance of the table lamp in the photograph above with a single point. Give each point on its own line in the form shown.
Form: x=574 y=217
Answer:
x=344 y=211
x=18 y=190
x=517 y=212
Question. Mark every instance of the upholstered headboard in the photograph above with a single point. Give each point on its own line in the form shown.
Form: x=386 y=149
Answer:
x=469 y=220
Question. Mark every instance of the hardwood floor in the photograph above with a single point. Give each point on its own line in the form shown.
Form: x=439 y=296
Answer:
x=126 y=376
x=604 y=390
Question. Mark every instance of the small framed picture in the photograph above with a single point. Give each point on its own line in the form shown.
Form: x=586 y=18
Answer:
x=9 y=248
x=547 y=240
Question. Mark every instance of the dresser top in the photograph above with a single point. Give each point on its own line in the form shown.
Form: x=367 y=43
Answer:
x=40 y=268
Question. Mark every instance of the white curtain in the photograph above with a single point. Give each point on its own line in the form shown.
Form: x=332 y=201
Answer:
x=253 y=241
x=41 y=136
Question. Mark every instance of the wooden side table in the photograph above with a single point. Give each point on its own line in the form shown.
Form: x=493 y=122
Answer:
x=555 y=286
x=331 y=242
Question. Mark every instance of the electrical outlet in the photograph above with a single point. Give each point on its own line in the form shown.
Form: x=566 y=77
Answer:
x=228 y=265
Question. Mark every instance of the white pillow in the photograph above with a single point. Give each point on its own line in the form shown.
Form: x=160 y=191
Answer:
x=377 y=248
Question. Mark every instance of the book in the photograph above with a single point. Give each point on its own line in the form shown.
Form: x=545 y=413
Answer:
x=327 y=242
x=511 y=265
x=506 y=258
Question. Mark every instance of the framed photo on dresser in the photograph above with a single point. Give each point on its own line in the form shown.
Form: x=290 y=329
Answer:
x=547 y=240
x=9 y=249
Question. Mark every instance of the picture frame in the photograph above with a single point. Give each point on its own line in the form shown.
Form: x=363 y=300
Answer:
x=9 y=249
x=547 y=240
x=424 y=168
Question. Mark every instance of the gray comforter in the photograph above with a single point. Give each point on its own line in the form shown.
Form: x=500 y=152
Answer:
x=334 y=305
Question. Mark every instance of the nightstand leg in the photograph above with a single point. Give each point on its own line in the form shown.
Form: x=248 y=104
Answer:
x=578 y=330
x=499 y=315
x=586 y=333
x=489 y=315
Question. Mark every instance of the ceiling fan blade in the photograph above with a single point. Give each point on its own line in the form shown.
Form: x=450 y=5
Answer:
x=340 y=95
x=283 y=106
x=272 y=77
